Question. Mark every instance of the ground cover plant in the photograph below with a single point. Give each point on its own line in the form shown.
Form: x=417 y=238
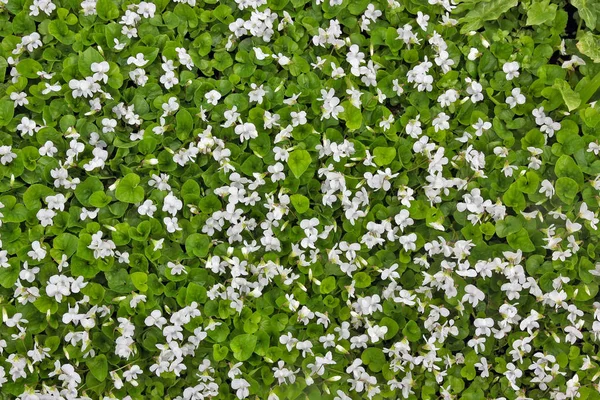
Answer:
x=292 y=199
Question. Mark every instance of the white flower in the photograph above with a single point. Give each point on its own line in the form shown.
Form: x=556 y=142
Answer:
x=58 y=286
x=171 y=204
x=100 y=71
x=331 y=103
x=440 y=122
x=6 y=155
x=155 y=319
x=474 y=90
x=473 y=54
x=147 y=208
x=213 y=97
x=515 y=98
x=246 y=131
x=37 y=252
x=511 y=69
x=19 y=98
x=171 y=224
x=260 y=55
x=547 y=188
x=176 y=268
x=257 y=93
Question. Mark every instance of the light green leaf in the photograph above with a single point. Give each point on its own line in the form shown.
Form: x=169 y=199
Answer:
x=571 y=98
x=567 y=167
x=589 y=11
x=327 y=285
x=352 y=116
x=243 y=346
x=185 y=124
x=220 y=352
x=300 y=203
x=384 y=155
x=566 y=189
x=128 y=190
x=485 y=11
x=140 y=280
x=374 y=358
x=520 y=241
x=541 y=12
x=29 y=68
x=98 y=366
x=7 y=110
x=412 y=331
x=589 y=45
x=299 y=162
x=197 y=244
x=107 y=9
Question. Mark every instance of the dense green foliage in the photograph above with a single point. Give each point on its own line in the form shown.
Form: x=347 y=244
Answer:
x=291 y=199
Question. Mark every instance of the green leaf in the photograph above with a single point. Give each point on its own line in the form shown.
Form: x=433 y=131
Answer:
x=468 y=372
x=221 y=61
x=362 y=279
x=507 y=226
x=29 y=68
x=203 y=43
x=185 y=124
x=86 y=189
x=352 y=116
x=514 y=198
x=107 y=9
x=67 y=243
x=140 y=280
x=119 y=281
x=9 y=275
x=222 y=12
x=587 y=87
x=566 y=189
x=485 y=11
x=220 y=352
x=33 y=196
x=541 y=12
x=412 y=331
x=95 y=292
x=299 y=161
x=7 y=110
x=300 y=203
x=128 y=190
x=384 y=155
x=327 y=285
x=100 y=199
x=571 y=98
x=589 y=11
x=567 y=167
x=3 y=68
x=589 y=45
x=392 y=326
x=197 y=244
x=374 y=358
x=520 y=241
x=243 y=346
x=195 y=292
x=86 y=59
x=98 y=366
x=60 y=30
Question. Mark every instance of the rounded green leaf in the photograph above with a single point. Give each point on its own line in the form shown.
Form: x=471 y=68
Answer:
x=128 y=190
x=299 y=161
x=243 y=346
